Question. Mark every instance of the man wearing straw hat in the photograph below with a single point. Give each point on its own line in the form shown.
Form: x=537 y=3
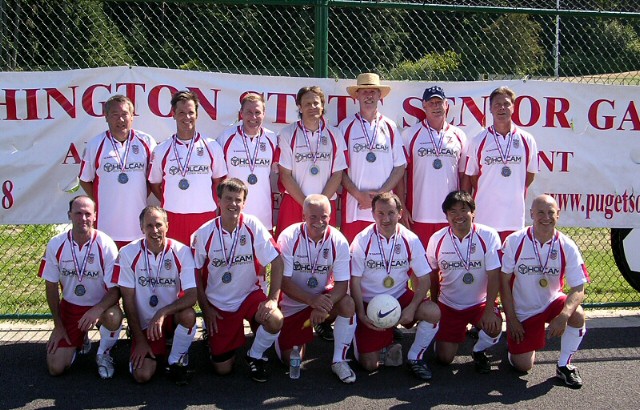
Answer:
x=375 y=156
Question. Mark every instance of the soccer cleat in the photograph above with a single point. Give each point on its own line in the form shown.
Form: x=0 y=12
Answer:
x=105 y=365
x=344 y=372
x=324 y=330
x=392 y=356
x=86 y=345
x=481 y=362
x=420 y=369
x=569 y=375
x=179 y=373
x=257 y=369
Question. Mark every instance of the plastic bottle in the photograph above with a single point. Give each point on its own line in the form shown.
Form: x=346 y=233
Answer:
x=294 y=363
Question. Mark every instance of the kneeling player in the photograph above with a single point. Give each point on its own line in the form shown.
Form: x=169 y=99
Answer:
x=382 y=255
x=464 y=258
x=152 y=272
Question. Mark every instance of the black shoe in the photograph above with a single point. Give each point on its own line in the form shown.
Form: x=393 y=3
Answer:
x=179 y=373
x=257 y=369
x=569 y=375
x=325 y=331
x=420 y=369
x=397 y=334
x=473 y=333
x=481 y=362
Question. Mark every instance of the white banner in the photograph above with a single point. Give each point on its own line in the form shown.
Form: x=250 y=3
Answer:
x=588 y=135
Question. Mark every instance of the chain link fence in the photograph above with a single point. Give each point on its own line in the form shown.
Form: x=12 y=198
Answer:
x=556 y=40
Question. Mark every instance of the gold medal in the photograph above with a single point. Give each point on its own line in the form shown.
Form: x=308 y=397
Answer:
x=544 y=283
x=388 y=282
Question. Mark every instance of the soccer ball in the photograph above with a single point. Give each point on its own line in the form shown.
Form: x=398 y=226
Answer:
x=384 y=311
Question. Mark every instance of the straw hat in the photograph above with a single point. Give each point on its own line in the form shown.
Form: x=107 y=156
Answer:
x=368 y=80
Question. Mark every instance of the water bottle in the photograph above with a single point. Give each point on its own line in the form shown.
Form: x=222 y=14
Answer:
x=294 y=363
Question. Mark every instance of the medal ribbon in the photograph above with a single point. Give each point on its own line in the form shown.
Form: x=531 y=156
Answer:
x=504 y=154
x=370 y=140
x=314 y=264
x=437 y=146
x=183 y=168
x=316 y=154
x=122 y=161
x=234 y=243
x=387 y=265
x=252 y=160
x=537 y=251
x=145 y=251
x=80 y=270
x=465 y=262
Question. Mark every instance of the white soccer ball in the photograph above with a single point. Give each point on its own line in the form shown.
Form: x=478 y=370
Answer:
x=384 y=311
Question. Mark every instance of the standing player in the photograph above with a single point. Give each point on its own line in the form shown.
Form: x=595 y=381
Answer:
x=315 y=284
x=114 y=171
x=502 y=162
x=249 y=151
x=311 y=158
x=152 y=272
x=383 y=258
x=228 y=251
x=185 y=171
x=375 y=155
x=537 y=262
x=464 y=258
x=80 y=261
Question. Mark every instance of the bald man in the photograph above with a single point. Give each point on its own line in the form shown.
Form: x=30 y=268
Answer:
x=538 y=260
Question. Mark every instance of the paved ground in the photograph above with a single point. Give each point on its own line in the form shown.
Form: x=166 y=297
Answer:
x=609 y=361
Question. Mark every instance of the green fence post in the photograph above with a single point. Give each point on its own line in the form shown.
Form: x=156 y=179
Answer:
x=321 y=46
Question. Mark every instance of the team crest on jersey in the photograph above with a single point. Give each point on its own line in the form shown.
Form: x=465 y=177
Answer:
x=325 y=253
x=243 y=240
x=397 y=249
x=516 y=143
x=323 y=140
x=473 y=247
x=200 y=151
x=135 y=148
x=263 y=147
x=554 y=254
x=90 y=258
x=168 y=263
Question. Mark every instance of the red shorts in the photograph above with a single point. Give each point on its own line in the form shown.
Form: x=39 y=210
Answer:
x=291 y=213
x=292 y=333
x=426 y=230
x=159 y=346
x=182 y=226
x=351 y=229
x=230 y=334
x=534 y=330
x=70 y=315
x=369 y=340
x=453 y=322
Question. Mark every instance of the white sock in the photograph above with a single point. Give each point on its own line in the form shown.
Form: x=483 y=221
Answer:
x=261 y=343
x=569 y=343
x=424 y=335
x=182 y=339
x=108 y=339
x=485 y=341
x=345 y=329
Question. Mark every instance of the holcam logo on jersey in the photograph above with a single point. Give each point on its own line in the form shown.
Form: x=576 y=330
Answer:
x=133 y=166
x=310 y=156
x=375 y=147
x=459 y=264
x=159 y=281
x=423 y=152
x=191 y=169
x=371 y=264
x=512 y=159
x=537 y=270
x=72 y=272
x=306 y=267
x=235 y=161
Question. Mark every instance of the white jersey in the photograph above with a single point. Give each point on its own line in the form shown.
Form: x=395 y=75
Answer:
x=402 y=252
x=157 y=279
x=539 y=280
x=258 y=153
x=328 y=259
x=205 y=163
x=230 y=260
x=94 y=259
x=119 y=174
x=501 y=187
x=370 y=163
x=433 y=168
x=327 y=145
x=463 y=264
